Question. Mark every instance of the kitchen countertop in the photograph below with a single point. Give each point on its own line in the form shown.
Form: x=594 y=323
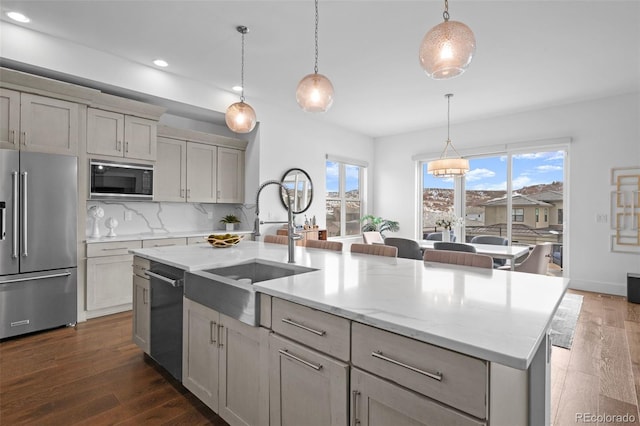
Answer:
x=499 y=316
x=157 y=236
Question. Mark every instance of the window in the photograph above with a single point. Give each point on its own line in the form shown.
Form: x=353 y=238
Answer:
x=559 y=216
x=344 y=198
x=537 y=215
x=546 y=215
x=517 y=215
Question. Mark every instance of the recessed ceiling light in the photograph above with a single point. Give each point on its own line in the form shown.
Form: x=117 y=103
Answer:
x=237 y=88
x=161 y=63
x=17 y=16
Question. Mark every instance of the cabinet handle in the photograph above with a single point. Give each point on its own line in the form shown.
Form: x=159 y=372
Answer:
x=436 y=376
x=286 y=353
x=189 y=193
x=165 y=245
x=145 y=300
x=119 y=146
x=304 y=327
x=354 y=410
x=218 y=193
x=212 y=325
x=220 y=340
x=126 y=146
x=12 y=136
x=114 y=248
x=24 y=138
x=181 y=193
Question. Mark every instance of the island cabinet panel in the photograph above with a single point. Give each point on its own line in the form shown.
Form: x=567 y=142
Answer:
x=375 y=401
x=141 y=330
x=306 y=387
x=325 y=332
x=224 y=363
x=457 y=380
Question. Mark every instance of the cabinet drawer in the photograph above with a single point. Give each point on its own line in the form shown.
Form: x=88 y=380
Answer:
x=164 y=242
x=319 y=330
x=112 y=249
x=197 y=240
x=140 y=265
x=450 y=377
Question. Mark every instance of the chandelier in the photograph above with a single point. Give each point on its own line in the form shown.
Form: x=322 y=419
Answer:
x=447 y=49
x=240 y=116
x=448 y=166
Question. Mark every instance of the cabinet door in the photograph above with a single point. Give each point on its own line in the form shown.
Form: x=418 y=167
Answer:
x=140 y=137
x=375 y=401
x=109 y=281
x=230 y=176
x=200 y=352
x=201 y=173
x=306 y=387
x=48 y=125
x=170 y=174
x=105 y=132
x=9 y=118
x=243 y=386
x=141 y=313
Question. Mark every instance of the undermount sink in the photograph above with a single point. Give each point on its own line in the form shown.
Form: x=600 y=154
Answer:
x=229 y=289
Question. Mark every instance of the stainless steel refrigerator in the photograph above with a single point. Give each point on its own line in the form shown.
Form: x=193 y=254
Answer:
x=38 y=223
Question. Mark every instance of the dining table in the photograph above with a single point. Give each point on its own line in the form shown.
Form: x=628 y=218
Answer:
x=511 y=253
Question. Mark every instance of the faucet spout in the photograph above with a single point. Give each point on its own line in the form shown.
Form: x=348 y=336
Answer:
x=292 y=235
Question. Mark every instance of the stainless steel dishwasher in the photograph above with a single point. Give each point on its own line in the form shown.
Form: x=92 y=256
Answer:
x=166 y=317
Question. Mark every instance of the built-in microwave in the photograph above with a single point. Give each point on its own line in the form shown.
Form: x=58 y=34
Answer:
x=127 y=181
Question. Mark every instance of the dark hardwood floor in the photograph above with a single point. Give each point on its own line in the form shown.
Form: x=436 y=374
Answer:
x=95 y=375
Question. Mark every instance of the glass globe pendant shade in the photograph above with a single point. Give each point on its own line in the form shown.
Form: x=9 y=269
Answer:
x=315 y=93
x=447 y=50
x=240 y=117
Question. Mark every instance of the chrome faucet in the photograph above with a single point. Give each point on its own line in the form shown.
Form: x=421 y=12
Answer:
x=292 y=236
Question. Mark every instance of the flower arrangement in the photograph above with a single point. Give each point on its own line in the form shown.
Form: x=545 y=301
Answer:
x=449 y=220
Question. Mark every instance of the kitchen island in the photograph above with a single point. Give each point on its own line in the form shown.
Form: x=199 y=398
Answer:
x=500 y=318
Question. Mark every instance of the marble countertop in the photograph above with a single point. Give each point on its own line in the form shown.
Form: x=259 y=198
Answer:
x=157 y=236
x=499 y=316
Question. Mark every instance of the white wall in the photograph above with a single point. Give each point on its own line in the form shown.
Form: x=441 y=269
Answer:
x=605 y=134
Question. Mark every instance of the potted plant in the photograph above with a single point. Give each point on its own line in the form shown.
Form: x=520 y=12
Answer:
x=373 y=223
x=230 y=220
x=448 y=221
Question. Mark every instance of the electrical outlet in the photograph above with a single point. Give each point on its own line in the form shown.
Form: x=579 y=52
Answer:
x=128 y=215
x=210 y=215
x=602 y=218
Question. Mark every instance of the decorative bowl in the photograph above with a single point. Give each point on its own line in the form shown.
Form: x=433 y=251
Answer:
x=224 y=241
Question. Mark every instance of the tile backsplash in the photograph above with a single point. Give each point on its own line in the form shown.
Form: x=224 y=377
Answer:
x=141 y=217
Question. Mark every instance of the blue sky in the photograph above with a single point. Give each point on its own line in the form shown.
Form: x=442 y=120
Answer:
x=352 y=174
x=491 y=173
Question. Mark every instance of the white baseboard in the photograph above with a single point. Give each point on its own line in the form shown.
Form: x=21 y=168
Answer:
x=615 y=289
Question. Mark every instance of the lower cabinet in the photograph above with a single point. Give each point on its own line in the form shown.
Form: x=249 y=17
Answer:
x=224 y=364
x=375 y=401
x=141 y=323
x=109 y=282
x=306 y=387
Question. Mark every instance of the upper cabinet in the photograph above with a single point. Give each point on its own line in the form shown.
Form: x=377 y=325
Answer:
x=37 y=123
x=118 y=127
x=198 y=167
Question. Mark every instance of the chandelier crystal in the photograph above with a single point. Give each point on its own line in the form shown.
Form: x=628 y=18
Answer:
x=447 y=166
x=315 y=91
x=447 y=49
x=240 y=116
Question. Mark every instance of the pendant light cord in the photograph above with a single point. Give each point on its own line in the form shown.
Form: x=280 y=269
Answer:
x=243 y=31
x=448 y=143
x=445 y=14
x=315 y=68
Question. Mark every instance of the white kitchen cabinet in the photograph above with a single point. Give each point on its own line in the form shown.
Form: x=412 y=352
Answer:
x=201 y=172
x=305 y=386
x=109 y=282
x=230 y=176
x=141 y=324
x=224 y=364
x=119 y=135
x=170 y=174
x=375 y=401
x=40 y=124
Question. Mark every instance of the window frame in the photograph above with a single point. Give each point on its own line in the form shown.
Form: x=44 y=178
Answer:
x=341 y=198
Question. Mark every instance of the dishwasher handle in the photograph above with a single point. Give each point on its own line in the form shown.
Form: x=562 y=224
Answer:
x=171 y=281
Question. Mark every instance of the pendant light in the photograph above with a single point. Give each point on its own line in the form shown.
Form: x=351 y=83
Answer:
x=240 y=116
x=447 y=49
x=315 y=91
x=445 y=166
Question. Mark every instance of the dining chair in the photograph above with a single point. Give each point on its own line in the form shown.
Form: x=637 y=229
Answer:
x=408 y=249
x=324 y=244
x=372 y=237
x=443 y=245
x=437 y=236
x=276 y=239
x=375 y=249
x=494 y=240
x=459 y=258
x=537 y=262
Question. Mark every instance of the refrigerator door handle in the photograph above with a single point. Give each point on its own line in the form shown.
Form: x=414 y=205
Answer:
x=25 y=206
x=15 y=195
x=3 y=221
x=41 y=277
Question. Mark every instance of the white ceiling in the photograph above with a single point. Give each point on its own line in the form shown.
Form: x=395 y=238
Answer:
x=530 y=54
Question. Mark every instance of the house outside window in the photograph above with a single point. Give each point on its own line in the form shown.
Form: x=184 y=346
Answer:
x=344 y=202
x=537 y=215
x=517 y=215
